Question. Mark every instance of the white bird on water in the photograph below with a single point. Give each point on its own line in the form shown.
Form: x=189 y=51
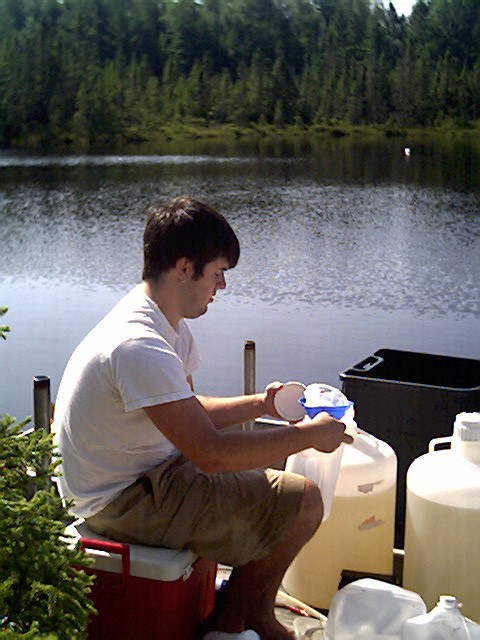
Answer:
x=407 y=151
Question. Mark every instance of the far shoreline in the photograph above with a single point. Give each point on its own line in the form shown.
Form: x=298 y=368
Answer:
x=167 y=135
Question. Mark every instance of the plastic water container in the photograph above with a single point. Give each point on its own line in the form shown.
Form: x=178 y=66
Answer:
x=442 y=550
x=371 y=609
x=359 y=534
x=444 y=622
x=323 y=468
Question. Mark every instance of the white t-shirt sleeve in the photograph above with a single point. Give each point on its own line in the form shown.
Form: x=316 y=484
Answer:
x=147 y=372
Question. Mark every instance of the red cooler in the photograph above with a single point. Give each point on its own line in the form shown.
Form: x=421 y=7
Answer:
x=145 y=593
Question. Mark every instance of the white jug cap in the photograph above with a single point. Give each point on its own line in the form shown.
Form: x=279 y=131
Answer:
x=467 y=426
x=448 y=602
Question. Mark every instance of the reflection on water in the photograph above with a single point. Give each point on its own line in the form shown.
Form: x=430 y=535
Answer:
x=379 y=246
x=346 y=243
x=450 y=161
x=375 y=247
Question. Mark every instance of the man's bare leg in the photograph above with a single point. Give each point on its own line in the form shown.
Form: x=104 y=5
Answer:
x=249 y=597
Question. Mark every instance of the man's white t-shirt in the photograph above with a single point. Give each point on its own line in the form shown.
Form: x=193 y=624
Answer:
x=132 y=359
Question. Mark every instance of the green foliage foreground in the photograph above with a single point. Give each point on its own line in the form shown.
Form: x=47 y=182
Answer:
x=3 y=328
x=42 y=595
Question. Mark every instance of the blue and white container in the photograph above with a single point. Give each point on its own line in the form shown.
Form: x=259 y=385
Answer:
x=358 y=534
x=323 y=468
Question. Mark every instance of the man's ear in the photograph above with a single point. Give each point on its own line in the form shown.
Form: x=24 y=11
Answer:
x=183 y=269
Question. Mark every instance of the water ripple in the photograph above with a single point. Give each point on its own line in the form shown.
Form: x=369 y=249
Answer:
x=385 y=247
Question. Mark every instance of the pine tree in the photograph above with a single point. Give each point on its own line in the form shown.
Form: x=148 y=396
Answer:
x=43 y=590
x=3 y=328
x=90 y=70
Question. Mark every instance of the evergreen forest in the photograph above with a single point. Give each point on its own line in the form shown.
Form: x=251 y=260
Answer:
x=97 y=70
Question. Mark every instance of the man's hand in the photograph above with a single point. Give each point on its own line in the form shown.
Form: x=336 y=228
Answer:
x=328 y=432
x=270 y=393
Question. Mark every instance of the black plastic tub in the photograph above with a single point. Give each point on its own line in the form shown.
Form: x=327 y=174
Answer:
x=406 y=399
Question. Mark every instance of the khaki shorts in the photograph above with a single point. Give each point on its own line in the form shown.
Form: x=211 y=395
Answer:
x=231 y=518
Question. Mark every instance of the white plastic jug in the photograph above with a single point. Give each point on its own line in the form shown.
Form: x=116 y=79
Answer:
x=442 y=550
x=359 y=533
x=443 y=622
x=323 y=468
x=371 y=609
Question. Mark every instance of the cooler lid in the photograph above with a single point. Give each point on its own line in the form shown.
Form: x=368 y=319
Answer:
x=153 y=563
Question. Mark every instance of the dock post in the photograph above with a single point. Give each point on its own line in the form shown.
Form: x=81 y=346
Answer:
x=42 y=410
x=249 y=383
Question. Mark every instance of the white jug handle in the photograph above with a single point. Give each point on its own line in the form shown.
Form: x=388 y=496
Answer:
x=433 y=443
x=363 y=445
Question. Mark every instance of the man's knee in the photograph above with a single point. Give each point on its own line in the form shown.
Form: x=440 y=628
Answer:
x=311 y=510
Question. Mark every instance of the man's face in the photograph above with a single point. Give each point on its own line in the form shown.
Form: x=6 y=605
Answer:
x=197 y=294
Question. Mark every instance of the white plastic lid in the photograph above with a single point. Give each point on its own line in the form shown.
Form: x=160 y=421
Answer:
x=467 y=426
x=448 y=602
x=286 y=401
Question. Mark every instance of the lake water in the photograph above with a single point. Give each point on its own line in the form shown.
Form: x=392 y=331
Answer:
x=347 y=247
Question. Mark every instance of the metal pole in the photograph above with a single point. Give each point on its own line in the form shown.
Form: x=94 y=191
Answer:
x=249 y=369
x=42 y=410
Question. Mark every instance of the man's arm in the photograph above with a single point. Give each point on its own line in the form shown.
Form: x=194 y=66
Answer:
x=227 y=412
x=188 y=426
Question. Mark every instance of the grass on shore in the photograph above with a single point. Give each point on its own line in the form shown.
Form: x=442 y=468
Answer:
x=327 y=130
x=199 y=131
